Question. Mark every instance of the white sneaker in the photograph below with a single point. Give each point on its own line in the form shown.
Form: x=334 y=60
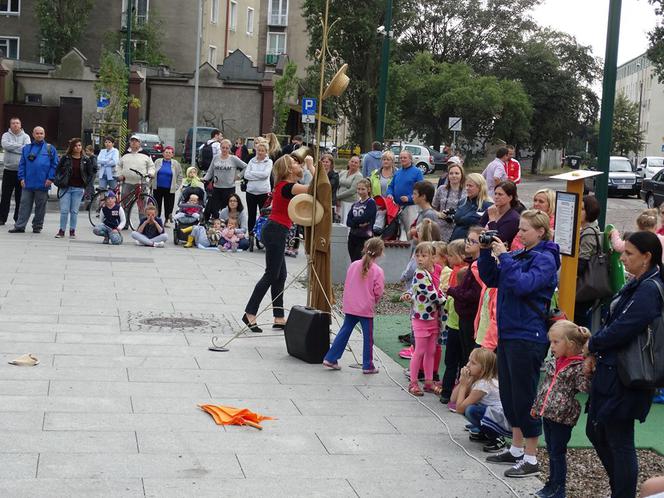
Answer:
x=137 y=243
x=158 y=244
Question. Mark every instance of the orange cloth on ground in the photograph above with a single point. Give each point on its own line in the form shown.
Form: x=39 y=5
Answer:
x=228 y=415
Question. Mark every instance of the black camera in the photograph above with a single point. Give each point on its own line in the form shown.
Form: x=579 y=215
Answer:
x=32 y=156
x=449 y=215
x=486 y=238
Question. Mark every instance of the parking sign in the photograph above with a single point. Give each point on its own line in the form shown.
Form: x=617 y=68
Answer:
x=309 y=106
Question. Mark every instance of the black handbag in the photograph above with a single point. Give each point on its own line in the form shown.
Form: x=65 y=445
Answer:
x=595 y=282
x=641 y=362
x=243 y=184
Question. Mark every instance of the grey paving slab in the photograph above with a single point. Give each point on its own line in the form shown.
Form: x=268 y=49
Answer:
x=64 y=404
x=158 y=350
x=62 y=348
x=113 y=389
x=333 y=423
x=142 y=338
x=424 y=445
x=384 y=393
x=72 y=488
x=19 y=421
x=319 y=376
x=378 y=486
x=125 y=361
x=185 y=405
x=425 y=424
x=27 y=336
x=251 y=488
x=212 y=376
x=247 y=442
x=376 y=408
x=24 y=387
x=168 y=466
x=197 y=421
x=18 y=465
x=259 y=391
x=49 y=373
x=67 y=442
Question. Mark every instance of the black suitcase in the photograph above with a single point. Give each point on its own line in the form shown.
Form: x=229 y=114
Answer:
x=307 y=334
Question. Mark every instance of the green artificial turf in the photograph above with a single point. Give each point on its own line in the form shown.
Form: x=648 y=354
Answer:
x=648 y=435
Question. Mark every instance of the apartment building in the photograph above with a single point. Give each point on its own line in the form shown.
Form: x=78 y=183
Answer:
x=637 y=80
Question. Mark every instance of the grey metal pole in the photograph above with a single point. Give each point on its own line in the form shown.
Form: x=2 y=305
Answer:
x=199 y=34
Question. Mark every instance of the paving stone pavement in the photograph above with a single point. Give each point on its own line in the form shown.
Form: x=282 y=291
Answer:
x=111 y=410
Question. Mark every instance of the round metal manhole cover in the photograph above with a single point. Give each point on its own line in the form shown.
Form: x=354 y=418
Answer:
x=173 y=322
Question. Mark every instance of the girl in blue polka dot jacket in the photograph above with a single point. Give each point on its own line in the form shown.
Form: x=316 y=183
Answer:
x=427 y=301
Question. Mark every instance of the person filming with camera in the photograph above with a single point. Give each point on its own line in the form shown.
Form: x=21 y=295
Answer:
x=526 y=280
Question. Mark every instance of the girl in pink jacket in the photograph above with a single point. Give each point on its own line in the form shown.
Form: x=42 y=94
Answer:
x=363 y=289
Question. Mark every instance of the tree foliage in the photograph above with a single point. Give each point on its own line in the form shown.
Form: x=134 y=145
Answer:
x=655 y=51
x=285 y=88
x=626 y=134
x=148 y=36
x=426 y=93
x=480 y=33
x=61 y=24
x=112 y=82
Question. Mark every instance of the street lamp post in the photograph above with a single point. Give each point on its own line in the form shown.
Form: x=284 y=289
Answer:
x=639 y=145
x=606 y=114
x=384 y=73
x=194 y=131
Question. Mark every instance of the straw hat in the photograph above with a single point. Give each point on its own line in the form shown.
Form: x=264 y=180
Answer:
x=300 y=210
x=338 y=83
x=26 y=360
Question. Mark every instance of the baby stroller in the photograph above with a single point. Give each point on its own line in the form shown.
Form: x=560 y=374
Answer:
x=392 y=228
x=255 y=234
x=188 y=221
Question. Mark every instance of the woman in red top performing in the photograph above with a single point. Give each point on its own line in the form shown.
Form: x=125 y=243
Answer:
x=286 y=173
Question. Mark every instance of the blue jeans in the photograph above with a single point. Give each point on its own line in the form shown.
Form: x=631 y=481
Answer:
x=557 y=436
x=474 y=414
x=613 y=441
x=105 y=183
x=519 y=363
x=108 y=234
x=70 y=201
x=340 y=341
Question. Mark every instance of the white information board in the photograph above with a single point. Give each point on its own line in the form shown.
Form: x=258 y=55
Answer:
x=566 y=227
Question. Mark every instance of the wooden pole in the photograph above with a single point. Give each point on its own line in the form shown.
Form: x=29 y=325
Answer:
x=567 y=285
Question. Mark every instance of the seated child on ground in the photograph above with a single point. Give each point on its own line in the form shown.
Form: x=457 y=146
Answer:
x=202 y=238
x=111 y=220
x=151 y=230
x=231 y=236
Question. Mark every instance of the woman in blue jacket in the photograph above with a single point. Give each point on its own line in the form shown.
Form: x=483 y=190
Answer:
x=526 y=280
x=470 y=212
x=612 y=407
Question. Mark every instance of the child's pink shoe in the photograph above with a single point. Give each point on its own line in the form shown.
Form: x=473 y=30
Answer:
x=406 y=353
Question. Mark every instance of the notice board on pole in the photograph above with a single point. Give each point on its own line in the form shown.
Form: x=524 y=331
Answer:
x=566 y=227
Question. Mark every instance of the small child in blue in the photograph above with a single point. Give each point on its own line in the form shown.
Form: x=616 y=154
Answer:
x=111 y=221
x=363 y=289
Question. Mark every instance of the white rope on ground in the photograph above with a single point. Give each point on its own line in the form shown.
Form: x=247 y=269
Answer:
x=378 y=355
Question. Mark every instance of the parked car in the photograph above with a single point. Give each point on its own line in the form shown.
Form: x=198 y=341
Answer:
x=348 y=150
x=649 y=166
x=151 y=145
x=439 y=159
x=203 y=134
x=652 y=189
x=422 y=156
x=622 y=179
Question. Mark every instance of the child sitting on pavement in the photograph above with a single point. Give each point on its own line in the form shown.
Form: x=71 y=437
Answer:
x=150 y=232
x=202 y=238
x=231 y=236
x=111 y=220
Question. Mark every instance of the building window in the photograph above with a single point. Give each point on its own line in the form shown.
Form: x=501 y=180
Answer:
x=9 y=47
x=278 y=13
x=250 y=21
x=214 y=13
x=141 y=9
x=10 y=6
x=233 y=23
x=276 y=43
x=212 y=55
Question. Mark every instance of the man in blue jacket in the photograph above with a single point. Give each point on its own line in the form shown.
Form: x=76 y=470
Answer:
x=401 y=191
x=372 y=160
x=36 y=171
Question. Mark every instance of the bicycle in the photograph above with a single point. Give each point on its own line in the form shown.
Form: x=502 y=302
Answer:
x=134 y=203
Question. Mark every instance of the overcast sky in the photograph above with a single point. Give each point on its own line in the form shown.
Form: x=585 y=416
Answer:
x=587 y=20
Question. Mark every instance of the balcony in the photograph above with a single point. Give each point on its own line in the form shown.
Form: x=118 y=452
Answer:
x=271 y=59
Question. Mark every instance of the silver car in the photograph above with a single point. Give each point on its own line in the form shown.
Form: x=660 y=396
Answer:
x=622 y=179
x=422 y=157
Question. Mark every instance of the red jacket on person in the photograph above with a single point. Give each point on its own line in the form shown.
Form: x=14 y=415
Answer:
x=513 y=169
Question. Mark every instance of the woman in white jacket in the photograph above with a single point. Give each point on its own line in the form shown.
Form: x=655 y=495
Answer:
x=257 y=174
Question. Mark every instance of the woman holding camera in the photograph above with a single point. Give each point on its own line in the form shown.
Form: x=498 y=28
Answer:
x=503 y=216
x=525 y=281
x=447 y=198
x=469 y=212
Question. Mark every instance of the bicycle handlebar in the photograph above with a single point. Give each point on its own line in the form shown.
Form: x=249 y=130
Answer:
x=139 y=174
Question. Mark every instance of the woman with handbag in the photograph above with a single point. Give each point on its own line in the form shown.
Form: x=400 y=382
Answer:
x=72 y=176
x=590 y=246
x=612 y=407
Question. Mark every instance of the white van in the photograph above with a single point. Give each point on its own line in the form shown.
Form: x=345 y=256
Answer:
x=649 y=166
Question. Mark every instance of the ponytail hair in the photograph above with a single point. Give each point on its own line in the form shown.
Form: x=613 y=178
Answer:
x=428 y=231
x=647 y=220
x=373 y=248
x=572 y=333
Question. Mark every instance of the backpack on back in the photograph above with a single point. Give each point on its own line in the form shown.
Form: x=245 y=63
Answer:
x=205 y=157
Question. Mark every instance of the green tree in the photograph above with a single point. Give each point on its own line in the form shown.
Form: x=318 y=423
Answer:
x=626 y=134
x=285 y=88
x=148 y=36
x=112 y=83
x=61 y=24
x=357 y=43
x=476 y=32
x=656 y=38
x=557 y=73
x=425 y=93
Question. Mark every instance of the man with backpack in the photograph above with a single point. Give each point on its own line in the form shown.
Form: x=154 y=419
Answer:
x=36 y=171
x=209 y=150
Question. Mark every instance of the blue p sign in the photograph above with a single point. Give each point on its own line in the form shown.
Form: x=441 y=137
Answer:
x=309 y=106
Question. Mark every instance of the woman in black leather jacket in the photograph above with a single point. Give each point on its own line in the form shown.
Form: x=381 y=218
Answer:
x=74 y=173
x=612 y=408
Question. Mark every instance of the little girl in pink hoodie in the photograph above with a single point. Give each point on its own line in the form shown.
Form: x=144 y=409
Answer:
x=363 y=289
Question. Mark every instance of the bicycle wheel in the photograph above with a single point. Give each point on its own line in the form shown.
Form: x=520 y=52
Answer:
x=94 y=208
x=137 y=210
